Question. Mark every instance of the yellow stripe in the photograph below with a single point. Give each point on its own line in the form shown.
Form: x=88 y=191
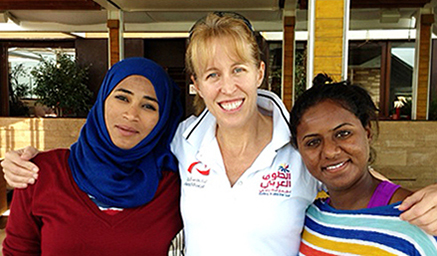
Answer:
x=344 y=247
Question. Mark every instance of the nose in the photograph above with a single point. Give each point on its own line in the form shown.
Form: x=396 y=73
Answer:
x=331 y=149
x=131 y=112
x=228 y=85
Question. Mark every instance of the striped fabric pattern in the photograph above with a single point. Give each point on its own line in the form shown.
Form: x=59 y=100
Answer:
x=372 y=231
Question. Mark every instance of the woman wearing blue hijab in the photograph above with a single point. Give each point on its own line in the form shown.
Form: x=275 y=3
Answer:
x=116 y=190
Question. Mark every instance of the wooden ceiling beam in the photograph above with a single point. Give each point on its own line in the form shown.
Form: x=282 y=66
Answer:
x=363 y=5
x=49 y=5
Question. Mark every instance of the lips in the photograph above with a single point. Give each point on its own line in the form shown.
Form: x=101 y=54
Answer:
x=335 y=167
x=126 y=130
x=231 y=105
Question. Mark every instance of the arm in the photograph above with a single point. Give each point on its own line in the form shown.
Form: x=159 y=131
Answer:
x=18 y=170
x=421 y=209
x=23 y=229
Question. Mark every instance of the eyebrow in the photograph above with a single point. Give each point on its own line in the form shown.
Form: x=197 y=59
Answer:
x=341 y=125
x=335 y=128
x=145 y=96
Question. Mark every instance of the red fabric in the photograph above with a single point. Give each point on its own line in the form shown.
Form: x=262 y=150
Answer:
x=54 y=217
x=307 y=250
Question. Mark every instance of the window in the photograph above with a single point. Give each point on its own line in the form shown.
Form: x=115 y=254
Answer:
x=21 y=62
x=401 y=79
x=385 y=69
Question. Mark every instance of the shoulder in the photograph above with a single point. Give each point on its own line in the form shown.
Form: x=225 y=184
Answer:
x=52 y=155
x=400 y=194
x=183 y=126
x=271 y=102
x=170 y=177
x=192 y=131
x=178 y=139
x=51 y=162
x=168 y=190
x=52 y=173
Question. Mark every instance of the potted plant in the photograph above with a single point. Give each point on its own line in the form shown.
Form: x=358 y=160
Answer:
x=60 y=84
x=17 y=91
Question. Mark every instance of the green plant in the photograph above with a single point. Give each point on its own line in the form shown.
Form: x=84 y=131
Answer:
x=300 y=73
x=60 y=84
x=17 y=91
x=299 y=76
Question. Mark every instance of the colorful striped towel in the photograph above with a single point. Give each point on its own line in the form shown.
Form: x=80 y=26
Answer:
x=372 y=231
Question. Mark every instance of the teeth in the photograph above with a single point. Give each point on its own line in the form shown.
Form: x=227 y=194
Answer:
x=332 y=167
x=231 y=105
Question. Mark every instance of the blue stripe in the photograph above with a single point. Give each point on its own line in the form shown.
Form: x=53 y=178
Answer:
x=388 y=210
x=371 y=236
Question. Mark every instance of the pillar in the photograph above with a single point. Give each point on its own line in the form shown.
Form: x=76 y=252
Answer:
x=4 y=81
x=288 y=47
x=115 y=26
x=422 y=75
x=328 y=23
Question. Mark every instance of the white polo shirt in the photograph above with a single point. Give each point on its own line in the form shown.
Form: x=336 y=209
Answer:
x=263 y=213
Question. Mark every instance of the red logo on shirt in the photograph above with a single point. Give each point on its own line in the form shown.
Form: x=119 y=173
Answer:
x=204 y=172
x=277 y=183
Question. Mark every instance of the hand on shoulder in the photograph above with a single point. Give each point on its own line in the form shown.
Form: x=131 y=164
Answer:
x=18 y=170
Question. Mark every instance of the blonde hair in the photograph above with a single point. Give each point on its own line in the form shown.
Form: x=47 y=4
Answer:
x=220 y=25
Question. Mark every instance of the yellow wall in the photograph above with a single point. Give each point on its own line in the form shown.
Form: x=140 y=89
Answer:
x=328 y=35
x=42 y=133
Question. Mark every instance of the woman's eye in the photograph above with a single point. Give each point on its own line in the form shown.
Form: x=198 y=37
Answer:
x=149 y=106
x=211 y=75
x=342 y=134
x=238 y=70
x=121 y=97
x=312 y=143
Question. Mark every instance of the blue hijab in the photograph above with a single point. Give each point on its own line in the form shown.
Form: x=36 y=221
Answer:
x=126 y=178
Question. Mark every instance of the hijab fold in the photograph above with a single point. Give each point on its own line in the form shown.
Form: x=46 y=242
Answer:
x=127 y=178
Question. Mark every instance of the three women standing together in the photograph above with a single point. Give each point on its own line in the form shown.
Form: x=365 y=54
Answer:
x=244 y=188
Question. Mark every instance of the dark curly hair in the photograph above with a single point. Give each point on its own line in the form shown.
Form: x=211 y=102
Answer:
x=351 y=97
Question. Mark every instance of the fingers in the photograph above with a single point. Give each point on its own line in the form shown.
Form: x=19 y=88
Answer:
x=28 y=153
x=411 y=200
x=19 y=182
x=426 y=221
x=421 y=209
x=17 y=171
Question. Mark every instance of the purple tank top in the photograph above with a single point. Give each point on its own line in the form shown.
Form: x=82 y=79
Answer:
x=382 y=195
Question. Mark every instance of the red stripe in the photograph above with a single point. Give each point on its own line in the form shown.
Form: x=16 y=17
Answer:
x=306 y=250
x=111 y=212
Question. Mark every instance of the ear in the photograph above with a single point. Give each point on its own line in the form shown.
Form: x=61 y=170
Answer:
x=369 y=132
x=196 y=86
x=261 y=73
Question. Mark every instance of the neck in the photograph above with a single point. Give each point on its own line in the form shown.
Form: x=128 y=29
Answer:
x=241 y=146
x=239 y=138
x=356 y=196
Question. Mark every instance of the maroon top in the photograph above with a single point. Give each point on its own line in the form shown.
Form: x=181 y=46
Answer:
x=54 y=217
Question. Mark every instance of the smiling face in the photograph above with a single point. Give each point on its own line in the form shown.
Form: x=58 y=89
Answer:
x=334 y=145
x=229 y=85
x=131 y=111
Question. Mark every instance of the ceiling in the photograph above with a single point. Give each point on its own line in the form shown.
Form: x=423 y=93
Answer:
x=179 y=15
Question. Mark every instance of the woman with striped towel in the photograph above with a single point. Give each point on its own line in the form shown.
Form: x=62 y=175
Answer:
x=332 y=126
